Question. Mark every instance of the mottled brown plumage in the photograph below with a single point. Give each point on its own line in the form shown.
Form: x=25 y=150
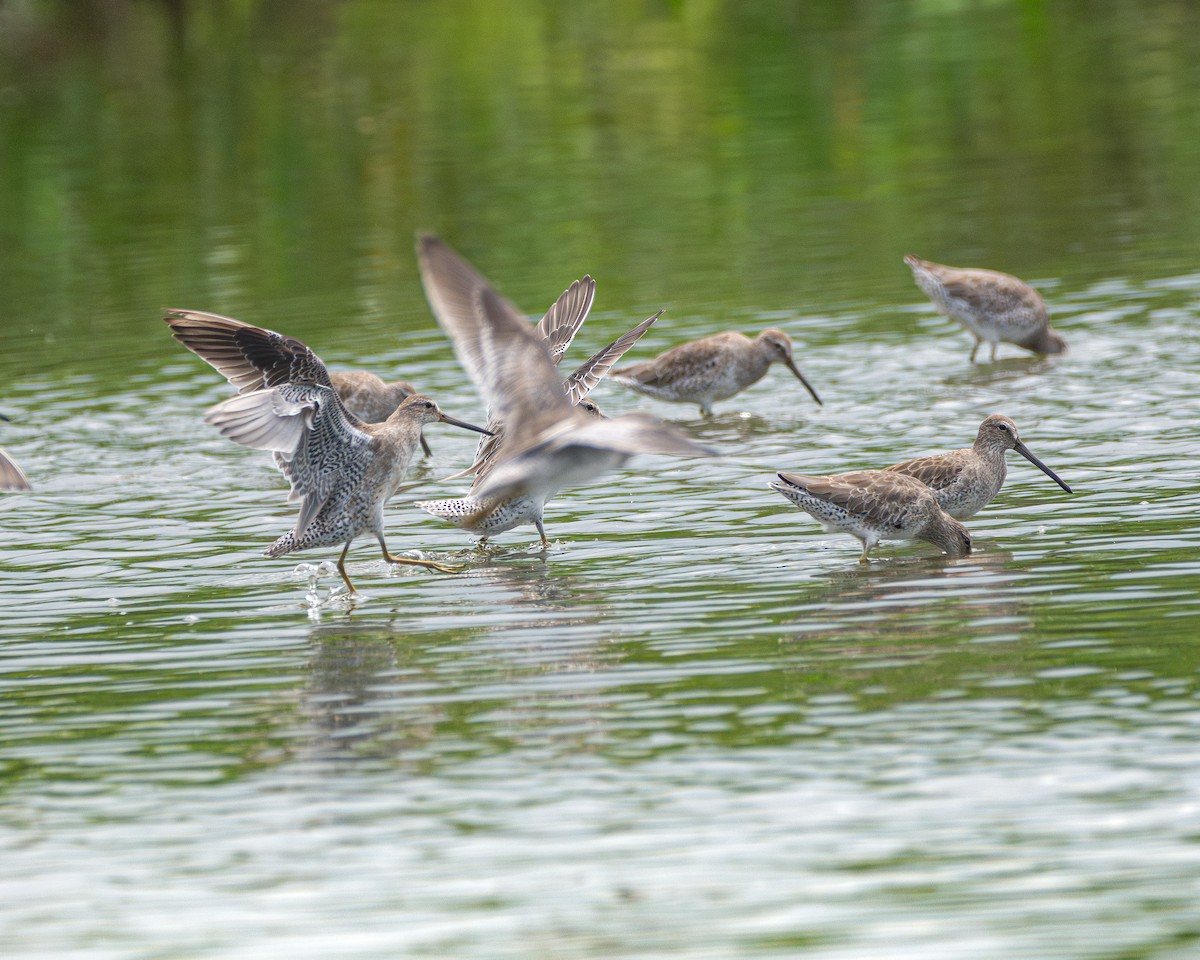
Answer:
x=713 y=368
x=875 y=505
x=965 y=481
x=342 y=471
x=993 y=306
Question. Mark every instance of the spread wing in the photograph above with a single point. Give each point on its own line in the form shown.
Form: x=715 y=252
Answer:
x=592 y=371
x=315 y=445
x=249 y=357
x=12 y=477
x=563 y=320
x=505 y=357
x=580 y=438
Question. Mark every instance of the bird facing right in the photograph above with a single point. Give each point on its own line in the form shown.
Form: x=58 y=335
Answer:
x=713 y=368
x=875 y=505
x=993 y=306
x=965 y=481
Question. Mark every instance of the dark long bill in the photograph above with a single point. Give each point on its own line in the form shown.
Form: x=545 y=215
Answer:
x=804 y=380
x=455 y=422
x=1024 y=451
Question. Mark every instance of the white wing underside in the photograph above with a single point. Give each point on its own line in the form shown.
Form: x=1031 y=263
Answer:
x=306 y=428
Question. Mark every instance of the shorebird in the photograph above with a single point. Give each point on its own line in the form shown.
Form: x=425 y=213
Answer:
x=965 y=481
x=875 y=505
x=493 y=516
x=342 y=471
x=12 y=477
x=714 y=368
x=992 y=306
x=549 y=443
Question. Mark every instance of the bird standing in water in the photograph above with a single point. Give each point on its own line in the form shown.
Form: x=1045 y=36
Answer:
x=711 y=369
x=875 y=505
x=993 y=306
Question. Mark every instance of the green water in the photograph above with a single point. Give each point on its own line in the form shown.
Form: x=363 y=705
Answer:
x=695 y=727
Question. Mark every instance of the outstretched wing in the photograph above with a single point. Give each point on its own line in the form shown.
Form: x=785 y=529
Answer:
x=504 y=356
x=579 y=440
x=563 y=320
x=592 y=371
x=316 y=447
x=249 y=357
x=12 y=477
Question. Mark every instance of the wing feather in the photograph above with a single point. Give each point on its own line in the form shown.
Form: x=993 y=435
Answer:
x=564 y=318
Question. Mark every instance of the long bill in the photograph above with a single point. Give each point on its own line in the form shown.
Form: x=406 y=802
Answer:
x=803 y=379
x=455 y=422
x=1024 y=451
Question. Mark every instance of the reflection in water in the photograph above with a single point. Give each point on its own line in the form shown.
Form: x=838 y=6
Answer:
x=380 y=688
x=923 y=600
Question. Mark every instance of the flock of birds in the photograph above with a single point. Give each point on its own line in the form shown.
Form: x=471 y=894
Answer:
x=345 y=441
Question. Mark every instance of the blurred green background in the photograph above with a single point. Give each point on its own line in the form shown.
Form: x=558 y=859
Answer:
x=272 y=160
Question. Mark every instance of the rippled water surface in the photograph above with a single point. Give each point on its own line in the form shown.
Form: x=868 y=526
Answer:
x=695 y=726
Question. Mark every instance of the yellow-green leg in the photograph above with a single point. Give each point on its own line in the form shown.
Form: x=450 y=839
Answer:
x=863 y=558
x=341 y=568
x=428 y=564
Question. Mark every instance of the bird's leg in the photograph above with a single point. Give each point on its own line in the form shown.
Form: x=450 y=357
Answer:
x=994 y=346
x=425 y=446
x=542 y=530
x=341 y=568
x=863 y=558
x=975 y=349
x=407 y=561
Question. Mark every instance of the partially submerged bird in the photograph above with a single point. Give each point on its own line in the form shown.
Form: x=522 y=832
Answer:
x=342 y=471
x=711 y=369
x=493 y=516
x=993 y=306
x=875 y=505
x=965 y=481
x=549 y=442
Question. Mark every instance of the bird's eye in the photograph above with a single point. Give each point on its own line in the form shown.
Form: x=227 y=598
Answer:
x=1002 y=426
x=428 y=404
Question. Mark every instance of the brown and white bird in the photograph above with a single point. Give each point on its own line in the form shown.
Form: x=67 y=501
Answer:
x=711 y=369
x=342 y=471
x=550 y=443
x=965 y=481
x=994 y=307
x=495 y=516
x=875 y=505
